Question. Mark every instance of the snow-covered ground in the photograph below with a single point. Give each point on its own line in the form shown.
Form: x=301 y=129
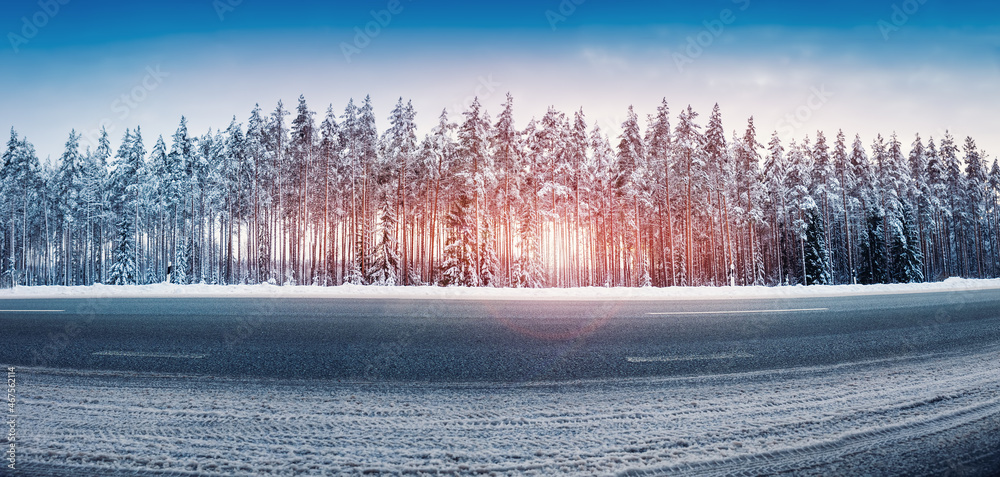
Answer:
x=91 y=422
x=432 y=292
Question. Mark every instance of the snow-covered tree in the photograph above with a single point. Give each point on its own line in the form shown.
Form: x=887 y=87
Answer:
x=688 y=142
x=749 y=196
x=21 y=188
x=459 y=265
x=472 y=176
x=482 y=203
x=123 y=269
x=776 y=181
x=384 y=269
x=816 y=253
x=67 y=187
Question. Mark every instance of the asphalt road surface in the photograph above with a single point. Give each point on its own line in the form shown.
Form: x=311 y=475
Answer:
x=502 y=343
x=491 y=341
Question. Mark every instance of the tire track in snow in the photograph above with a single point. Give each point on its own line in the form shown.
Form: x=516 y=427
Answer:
x=741 y=424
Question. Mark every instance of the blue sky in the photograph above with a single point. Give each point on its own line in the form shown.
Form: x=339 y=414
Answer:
x=865 y=66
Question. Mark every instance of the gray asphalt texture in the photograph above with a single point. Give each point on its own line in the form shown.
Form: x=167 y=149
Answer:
x=486 y=341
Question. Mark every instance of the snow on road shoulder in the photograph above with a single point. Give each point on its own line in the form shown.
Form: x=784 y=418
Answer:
x=433 y=292
x=98 y=422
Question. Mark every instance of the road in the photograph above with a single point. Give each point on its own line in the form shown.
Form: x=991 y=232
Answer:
x=390 y=347
x=492 y=341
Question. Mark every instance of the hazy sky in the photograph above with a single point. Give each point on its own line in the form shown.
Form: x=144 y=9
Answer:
x=867 y=67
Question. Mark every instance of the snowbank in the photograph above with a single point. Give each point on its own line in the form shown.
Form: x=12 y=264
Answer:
x=880 y=417
x=432 y=292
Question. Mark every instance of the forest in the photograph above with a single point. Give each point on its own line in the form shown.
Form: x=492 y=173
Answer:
x=482 y=202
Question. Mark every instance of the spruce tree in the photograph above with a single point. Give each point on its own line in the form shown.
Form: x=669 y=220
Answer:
x=67 y=185
x=871 y=269
x=817 y=255
x=182 y=261
x=123 y=269
x=458 y=267
x=384 y=269
x=488 y=262
x=911 y=262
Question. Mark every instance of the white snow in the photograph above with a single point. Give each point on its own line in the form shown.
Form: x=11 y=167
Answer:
x=433 y=292
x=97 y=421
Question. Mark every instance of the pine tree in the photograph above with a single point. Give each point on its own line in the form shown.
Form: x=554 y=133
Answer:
x=505 y=142
x=178 y=190
x=936 y=198
x=528 y=271
x=910 y=259
x=749 y=195
x=994 y=217
x=67 y=185
x=384 y=269
x=955 y=187
x=330 y=149
x=871 y=270
x=399 y=146
x=719 y=176
x=577 y=145
x=816 y=253
x=798 y=183
x=367 y=155
x=628 y=183
x=688 y=148
x=488 y=264
x=825 y=185
x=126 y=176
x=548 y=142
x=861 y=195
x=630 y=153
x=474 y=174
x=601 y=167
x=257 y=156
x=918 y=202
x=354 y=276
x=975 y=197
x=459 y=263
x=182 y=262
x=846 y=183
x=776 y=177
x=276 y=142
x=301 y=158
x=95 y=197
x=659 y=143
x=123 y=270
x=438 y=155
x=159 y=168
x=21 y=189
x=237 y=180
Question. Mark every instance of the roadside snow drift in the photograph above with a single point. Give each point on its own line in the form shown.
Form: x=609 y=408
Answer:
x=432 y=292
x=93 y=423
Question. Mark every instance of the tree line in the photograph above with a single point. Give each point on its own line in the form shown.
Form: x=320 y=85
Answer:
x=478 y=201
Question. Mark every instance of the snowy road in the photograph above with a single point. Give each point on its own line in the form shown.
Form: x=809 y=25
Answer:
x=885 y=385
